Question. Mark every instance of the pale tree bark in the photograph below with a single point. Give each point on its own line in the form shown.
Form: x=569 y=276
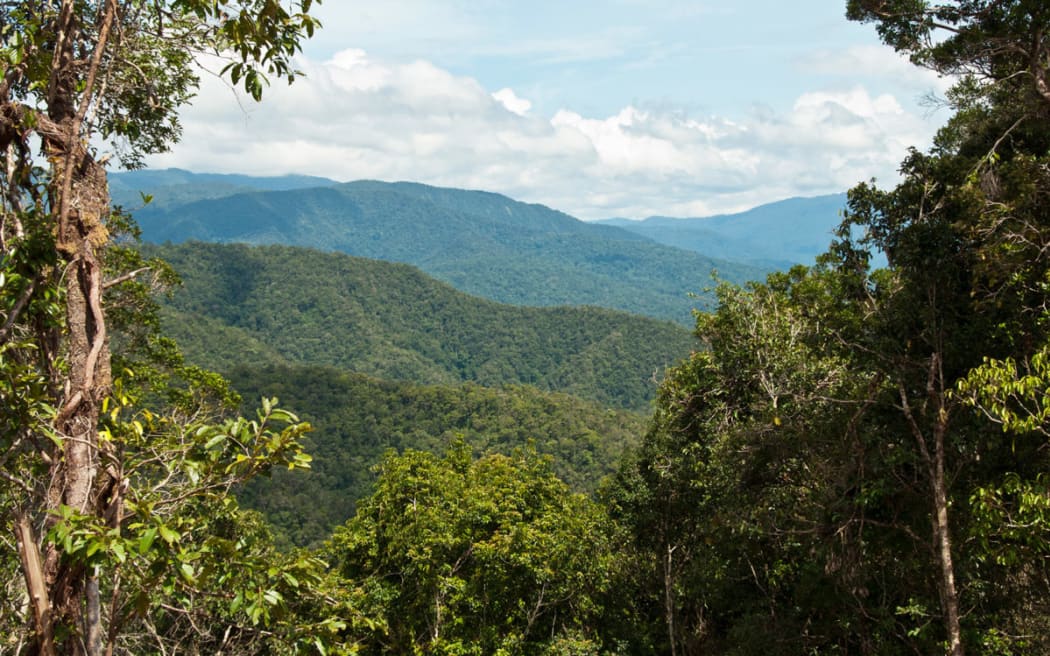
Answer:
x=935 y=465
x=669 y=605
x=33 y=572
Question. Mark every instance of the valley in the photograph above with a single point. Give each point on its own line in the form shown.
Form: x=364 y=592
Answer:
x=379 y=355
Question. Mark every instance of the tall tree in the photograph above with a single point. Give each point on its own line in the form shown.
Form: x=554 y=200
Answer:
x=913 y=513
x=475 y=556
x=76 y=74
x=967 y=231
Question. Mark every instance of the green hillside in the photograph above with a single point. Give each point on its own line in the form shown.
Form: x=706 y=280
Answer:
x=356 y=418
x=243 y=304
x=481 y=243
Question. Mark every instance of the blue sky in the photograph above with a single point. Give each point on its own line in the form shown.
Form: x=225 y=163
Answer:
x=617 y=108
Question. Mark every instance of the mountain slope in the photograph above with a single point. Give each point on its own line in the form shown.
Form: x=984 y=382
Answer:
x=792 y=231
x=481 y=243
x=356 y=418
x=294 y=305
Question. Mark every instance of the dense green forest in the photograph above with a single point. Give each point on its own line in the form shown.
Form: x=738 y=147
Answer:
x=481 y=243
x=854 y=461
x=356 y=419
x=294 y=305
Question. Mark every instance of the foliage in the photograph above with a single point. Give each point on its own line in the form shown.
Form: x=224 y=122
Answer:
x=892 y=516
x=117 y=508
x=181 y=540
x=1019 y=402
x=992 y=43
x=855 y=462
x=740 y=493
x=464 y=556
x=356 y=419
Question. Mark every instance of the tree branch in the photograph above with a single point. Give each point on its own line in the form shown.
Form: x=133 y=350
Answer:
x=19 y=305
x=36 y=586
x=125 y=277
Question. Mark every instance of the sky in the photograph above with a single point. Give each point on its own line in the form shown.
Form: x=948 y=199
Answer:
x=613 y=108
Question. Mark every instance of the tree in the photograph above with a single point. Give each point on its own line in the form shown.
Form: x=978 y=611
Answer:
x=918 y=516
x=76 y=74
x=475 y=556
x=994 y=42
x=966 y=233
x=745 y=498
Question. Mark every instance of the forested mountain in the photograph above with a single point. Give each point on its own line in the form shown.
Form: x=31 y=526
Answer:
x=792 y=231
x=356 y=418
x=481 y=243
x=318 y=320
x=293 y=305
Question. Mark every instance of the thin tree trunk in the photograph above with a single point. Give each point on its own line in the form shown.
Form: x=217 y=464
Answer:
x=949 y=592
x=669 y=598
x=935 y=463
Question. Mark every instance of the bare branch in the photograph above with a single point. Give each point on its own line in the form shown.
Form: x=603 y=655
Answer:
x=125 y=277
x=19 y=305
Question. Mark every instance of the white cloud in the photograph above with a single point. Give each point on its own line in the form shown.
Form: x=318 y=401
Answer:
x=355 y=117
x=512 y=102
x=875 y=62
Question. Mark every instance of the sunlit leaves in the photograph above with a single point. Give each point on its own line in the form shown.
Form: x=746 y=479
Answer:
x=472 y=555
x=1018 y=399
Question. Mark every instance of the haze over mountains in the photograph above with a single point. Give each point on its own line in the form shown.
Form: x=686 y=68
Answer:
x=792 y=231
x=479 y=242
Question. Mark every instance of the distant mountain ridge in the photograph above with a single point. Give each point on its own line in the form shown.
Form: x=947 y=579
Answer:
x=479 y=242
x=168 y=187
x=780 y=234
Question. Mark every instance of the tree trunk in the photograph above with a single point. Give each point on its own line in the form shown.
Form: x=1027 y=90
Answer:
x=935 y=464
x=76 y=473
x=669 y=606
x=33 y=571
x=79 y=204
x=943 y=542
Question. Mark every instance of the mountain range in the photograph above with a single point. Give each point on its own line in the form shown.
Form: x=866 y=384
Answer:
x=777 y=235
x=481 y=243
x=378 y=354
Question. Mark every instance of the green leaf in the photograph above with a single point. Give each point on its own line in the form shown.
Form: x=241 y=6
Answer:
x=146 y=540
x=186 y=570
x=167 y=534
x=119 y=552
